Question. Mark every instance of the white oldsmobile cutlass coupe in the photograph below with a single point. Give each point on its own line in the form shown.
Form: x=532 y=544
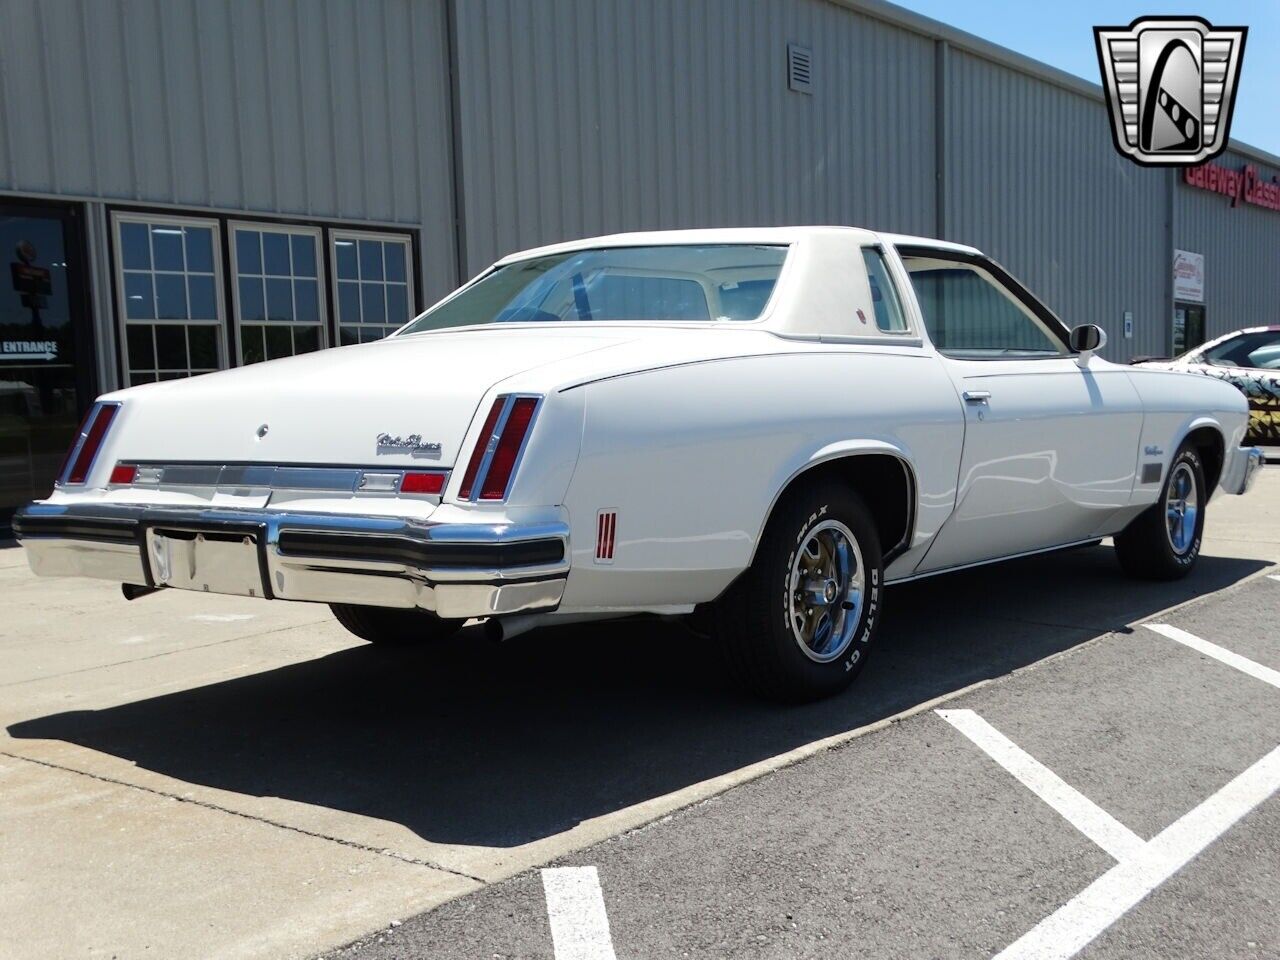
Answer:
x=766 y=426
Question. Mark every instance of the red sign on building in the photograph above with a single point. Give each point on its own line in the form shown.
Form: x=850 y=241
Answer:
x=1244 y=184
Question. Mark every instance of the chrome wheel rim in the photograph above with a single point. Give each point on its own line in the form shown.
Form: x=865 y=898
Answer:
x=826 y=591
x=1181 y=509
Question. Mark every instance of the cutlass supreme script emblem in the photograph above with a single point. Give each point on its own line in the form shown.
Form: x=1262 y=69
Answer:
x=410 y=444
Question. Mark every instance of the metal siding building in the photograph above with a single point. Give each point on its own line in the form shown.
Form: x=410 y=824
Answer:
x=1241 y=245
x=212 y=182
x=665 y=113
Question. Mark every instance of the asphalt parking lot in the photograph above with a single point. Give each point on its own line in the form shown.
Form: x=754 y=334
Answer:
x=1025 y=763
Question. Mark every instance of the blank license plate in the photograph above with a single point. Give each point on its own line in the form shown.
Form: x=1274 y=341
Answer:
x=208 y=562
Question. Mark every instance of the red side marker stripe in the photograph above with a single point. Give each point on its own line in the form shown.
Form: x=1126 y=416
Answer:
x=606 y=527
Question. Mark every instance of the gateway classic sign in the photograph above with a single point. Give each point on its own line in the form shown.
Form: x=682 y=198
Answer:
x=1244 y=184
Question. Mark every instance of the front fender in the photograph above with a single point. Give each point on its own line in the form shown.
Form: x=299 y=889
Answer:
x=1176 y=404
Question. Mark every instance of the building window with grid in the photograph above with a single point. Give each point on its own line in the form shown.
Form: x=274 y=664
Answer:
x=171 y=305
x=279 y=308
x=374 y=296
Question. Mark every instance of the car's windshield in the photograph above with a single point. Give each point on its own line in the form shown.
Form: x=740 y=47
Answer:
x=1259 y=350
x=680 y=283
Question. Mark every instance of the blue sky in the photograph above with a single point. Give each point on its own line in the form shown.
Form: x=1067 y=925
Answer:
x=1061 y=34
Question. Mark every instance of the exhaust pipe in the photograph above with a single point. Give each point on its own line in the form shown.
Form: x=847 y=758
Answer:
x=133 y=591
x=499 y=629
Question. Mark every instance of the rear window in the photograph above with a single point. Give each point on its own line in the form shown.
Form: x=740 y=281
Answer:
x=680 y=283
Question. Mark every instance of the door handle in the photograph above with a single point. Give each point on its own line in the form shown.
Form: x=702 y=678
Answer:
x=977 y=396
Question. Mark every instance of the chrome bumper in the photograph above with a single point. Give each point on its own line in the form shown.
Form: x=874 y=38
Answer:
x=1242 y=469
x=456 y=570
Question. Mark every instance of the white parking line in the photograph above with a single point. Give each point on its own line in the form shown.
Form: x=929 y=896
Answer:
x=1078 y=810
x=1273 y=576
x=1222 y=654
x=575 y=907
x=1067 y=931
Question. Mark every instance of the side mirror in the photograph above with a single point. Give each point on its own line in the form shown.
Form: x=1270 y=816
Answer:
x=1085 y=340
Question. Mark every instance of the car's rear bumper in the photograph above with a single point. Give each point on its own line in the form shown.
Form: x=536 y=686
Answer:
x=1241 y=469
x=457 y=570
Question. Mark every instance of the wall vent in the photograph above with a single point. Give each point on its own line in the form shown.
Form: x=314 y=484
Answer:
x=800 y=68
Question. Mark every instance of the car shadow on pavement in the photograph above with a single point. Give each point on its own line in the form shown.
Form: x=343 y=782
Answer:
x=499 y=745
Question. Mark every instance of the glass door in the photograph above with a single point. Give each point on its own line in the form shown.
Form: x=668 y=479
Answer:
x=1188 y=327
x=46 y=346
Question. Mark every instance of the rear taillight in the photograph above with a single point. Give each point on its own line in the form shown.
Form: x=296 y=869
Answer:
x=483 y=442
x=123 y=474
x=84 y=451
x=419 y=482
x=510 y=443
x=497 y=451
x=75 y=442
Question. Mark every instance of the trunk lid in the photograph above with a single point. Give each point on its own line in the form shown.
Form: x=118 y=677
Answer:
x=330 y=407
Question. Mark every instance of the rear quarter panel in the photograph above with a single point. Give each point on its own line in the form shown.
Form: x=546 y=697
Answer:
x=692 y=457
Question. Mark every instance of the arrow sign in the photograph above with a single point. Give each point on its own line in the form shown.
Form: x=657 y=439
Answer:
x=28 y=356
x=28 y=350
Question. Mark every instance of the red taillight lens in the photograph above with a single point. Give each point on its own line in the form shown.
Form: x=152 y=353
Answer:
x=98 y=427
x=66 y=458
x=503 y=463
x=123 y=473
x=482 y=444
x=510 y=419
x=422 y=483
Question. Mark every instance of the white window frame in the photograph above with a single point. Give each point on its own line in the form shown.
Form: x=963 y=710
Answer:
x=119 y=217
x=336 y=234
x=262 y=226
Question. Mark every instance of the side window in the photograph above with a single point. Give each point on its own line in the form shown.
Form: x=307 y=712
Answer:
x=1227 y=354
x=884 y=296
x=970 y=314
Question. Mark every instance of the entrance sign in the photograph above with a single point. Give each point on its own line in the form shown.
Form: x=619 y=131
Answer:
x=28 y=349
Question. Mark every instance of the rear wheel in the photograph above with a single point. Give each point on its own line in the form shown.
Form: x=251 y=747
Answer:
x=393 y=627
x=1163 y=542
x=798 y=624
